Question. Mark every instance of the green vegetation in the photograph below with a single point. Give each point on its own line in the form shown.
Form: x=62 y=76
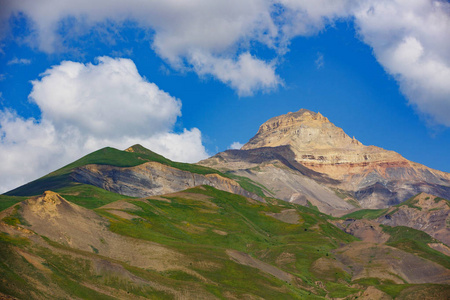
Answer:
x=410 y=203
x=89 y=196
x=84 y=195
x=8 y=201
x=15 y=218
x=202 y=226
x=407 y=291
x=393 y=290
x=107 y=156
x=353 y=202
x=250 y=185
x=369 y=214
x=61 y=180
x=416 y=242
x=339 y=291
x=310 y=205
x=347 y=196
x=437 y=199
x=6 y=239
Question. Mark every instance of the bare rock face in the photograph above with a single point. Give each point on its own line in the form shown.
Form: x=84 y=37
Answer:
x=317 y=141
x=152 y=178
x=369 y=260
x=366 y=230
x=424 y=212
x=282 y=176
x=376 y=177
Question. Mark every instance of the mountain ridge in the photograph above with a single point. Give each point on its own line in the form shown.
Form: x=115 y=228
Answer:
x=375 y=177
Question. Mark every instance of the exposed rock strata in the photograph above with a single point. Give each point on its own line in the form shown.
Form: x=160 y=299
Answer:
x=278 y=171
x=365 y=230
x=424 y=212
x=369 y=260
x=376 y=177
x=151 y=179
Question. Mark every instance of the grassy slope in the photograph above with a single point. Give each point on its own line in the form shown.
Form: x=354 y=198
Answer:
x=366 y=214
x=8 y=201
x=84 y=195
x=107 y=156
x=375 y=213
x=89 y=196
x=202 y=223
x=60 y=180
x=190 y=225
x=415 y=241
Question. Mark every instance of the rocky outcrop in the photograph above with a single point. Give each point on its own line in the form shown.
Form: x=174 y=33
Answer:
x=152 y=178
x=282 y=176
x=424 y=212
x=366 y=230
x=377 y=178
x=316 y=141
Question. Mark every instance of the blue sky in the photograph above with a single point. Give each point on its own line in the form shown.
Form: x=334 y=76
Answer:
x=189 y=79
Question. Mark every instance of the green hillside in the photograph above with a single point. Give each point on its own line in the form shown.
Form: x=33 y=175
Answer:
x=220 y=245
x=107 y=156
x=202 y=224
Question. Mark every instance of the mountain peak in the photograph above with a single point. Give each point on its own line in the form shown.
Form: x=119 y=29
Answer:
x=303 y=129
x=138 y=148
x=291 y=119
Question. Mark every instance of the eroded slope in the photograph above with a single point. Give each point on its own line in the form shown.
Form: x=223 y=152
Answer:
x=200 y=243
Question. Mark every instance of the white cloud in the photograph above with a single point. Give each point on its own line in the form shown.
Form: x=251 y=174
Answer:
x=320 y=61
x=216 y=37
x=183 y=31
x=245 y=75
x=411 y=40
x=236 y=145
x=85 y=107
x=305 y=17
x=108 y=100
x=17 y=61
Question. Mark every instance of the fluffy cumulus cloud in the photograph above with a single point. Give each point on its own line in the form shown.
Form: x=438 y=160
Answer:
x=109 y=99
x=85 y=107
x=245 y=75
x=197 y=34
x=409 y=38
x=236 y=145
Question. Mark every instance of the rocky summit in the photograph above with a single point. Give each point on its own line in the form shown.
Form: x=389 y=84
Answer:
x=374 y=177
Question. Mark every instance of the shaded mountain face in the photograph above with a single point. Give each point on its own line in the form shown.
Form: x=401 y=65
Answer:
x=373 y=176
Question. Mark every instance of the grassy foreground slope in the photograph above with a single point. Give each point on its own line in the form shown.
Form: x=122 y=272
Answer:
x=220 y=245
x=201 y=243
